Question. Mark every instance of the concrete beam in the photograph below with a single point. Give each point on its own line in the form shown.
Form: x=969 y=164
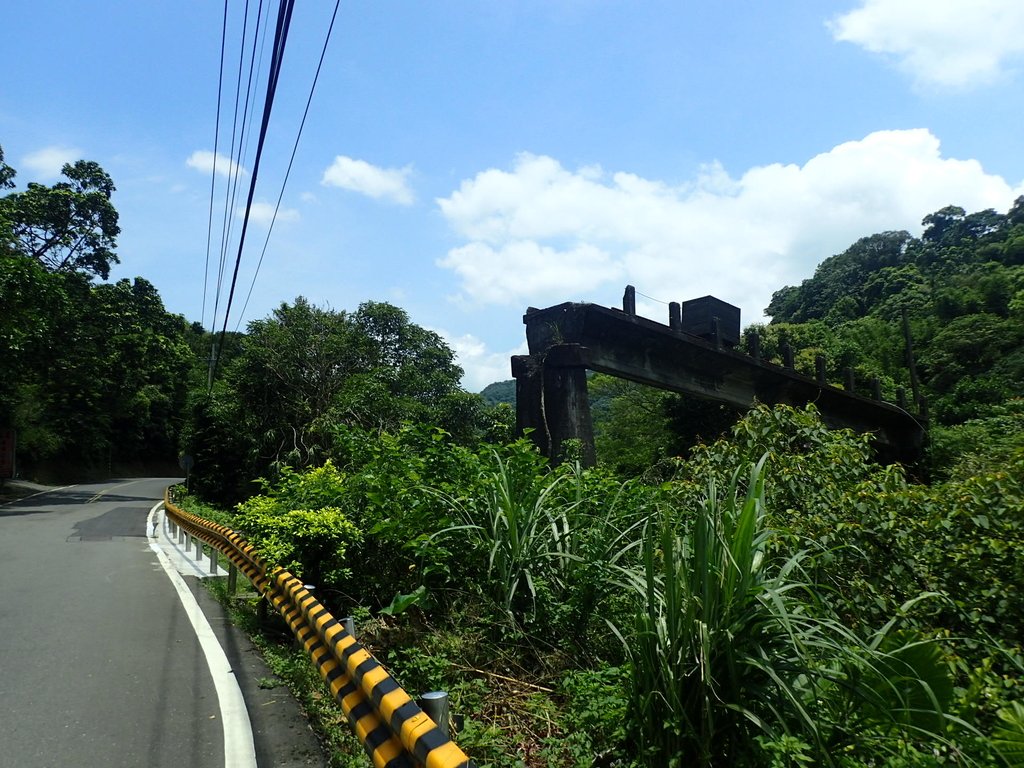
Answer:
x=578 y=337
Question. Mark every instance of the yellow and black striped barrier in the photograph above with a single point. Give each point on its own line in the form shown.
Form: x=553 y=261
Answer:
x=393 y=729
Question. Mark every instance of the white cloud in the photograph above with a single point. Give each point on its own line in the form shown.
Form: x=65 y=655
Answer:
x=541 y=233
x=378 y=183
x=263 y=213
x=525 y=267
x=203 y=160
x=481 y=366
x=46 y=163
x=940 y=43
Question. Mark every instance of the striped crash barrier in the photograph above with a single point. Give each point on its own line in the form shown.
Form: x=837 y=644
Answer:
x=395 y=732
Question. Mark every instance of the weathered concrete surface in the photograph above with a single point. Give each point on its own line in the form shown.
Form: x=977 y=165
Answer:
x=568 y=339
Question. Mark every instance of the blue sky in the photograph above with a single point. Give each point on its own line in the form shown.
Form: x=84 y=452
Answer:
x=465 y=160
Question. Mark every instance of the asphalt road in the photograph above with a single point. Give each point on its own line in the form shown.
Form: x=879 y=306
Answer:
x=99 y=662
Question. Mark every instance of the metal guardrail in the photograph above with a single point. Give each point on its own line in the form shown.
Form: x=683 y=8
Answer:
x=393 y=729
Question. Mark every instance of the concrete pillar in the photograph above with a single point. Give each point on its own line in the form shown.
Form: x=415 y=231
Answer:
x=629 y=300
x=567 y=413
x=552 y=401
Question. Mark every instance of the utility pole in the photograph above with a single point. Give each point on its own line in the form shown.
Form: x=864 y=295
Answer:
x=213 y=360
x=914 y=384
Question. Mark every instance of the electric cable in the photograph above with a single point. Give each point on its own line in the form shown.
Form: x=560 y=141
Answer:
x=280 y=39
x=638 y=293
x=213 y=174
x=247 y=121
x=291 y=160
x=235 y=161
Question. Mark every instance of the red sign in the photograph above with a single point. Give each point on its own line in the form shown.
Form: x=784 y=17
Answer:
x=7 y=444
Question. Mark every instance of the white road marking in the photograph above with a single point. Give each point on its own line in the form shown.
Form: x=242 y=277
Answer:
x=37 y=493
x=239 y=751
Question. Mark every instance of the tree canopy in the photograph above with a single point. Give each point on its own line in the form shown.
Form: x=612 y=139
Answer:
x=93 y=375
x=305 y=372
x=71 y=226
x=961 y=287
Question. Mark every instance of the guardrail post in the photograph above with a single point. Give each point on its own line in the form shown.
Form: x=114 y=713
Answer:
x=213 y=560
x=181 y=535
x=232 y=579
x=435 y=705
x=350 y=626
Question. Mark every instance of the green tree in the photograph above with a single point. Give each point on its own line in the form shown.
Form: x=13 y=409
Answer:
x=304 y=371
x=146 y=350
x=841 y=278
x=412 y=370
x=37 y=305
x=92 y=374
x=70 y=226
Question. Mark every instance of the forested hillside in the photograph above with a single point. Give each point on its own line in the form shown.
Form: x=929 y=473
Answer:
x=961 y=285
x=960 y=289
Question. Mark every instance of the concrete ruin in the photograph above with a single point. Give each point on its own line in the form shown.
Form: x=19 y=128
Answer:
x=692 y=355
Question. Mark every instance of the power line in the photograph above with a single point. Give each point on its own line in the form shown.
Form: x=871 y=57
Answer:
x=284 y=18
x=247 y=120
x=291 y=160
x=213 y=174
x=235 y=162
x=652 y=298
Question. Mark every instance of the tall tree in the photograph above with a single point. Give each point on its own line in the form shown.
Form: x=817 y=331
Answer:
x=304 y=370
x=71 y=226
x=6 y=173
x=90 y=374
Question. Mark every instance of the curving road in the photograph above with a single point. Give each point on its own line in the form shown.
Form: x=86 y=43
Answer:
x=100 y=664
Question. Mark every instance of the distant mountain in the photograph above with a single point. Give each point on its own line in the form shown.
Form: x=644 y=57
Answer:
x=500 y=392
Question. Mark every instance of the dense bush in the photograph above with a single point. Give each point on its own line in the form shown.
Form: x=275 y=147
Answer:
x=295 y=526
x=823 y=610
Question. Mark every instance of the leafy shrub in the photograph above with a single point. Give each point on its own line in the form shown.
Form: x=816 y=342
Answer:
x=979 y=445
x=753 y=601
x=295 y=526
x=542 y=546
x=596 y=706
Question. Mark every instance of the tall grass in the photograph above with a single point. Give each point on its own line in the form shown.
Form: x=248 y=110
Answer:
x=552 y=538
x=515 y=525
x=730 y=651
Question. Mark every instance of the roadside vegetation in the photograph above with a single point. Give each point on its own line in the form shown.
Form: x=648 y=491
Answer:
x=779 y=599
x=721 y=590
